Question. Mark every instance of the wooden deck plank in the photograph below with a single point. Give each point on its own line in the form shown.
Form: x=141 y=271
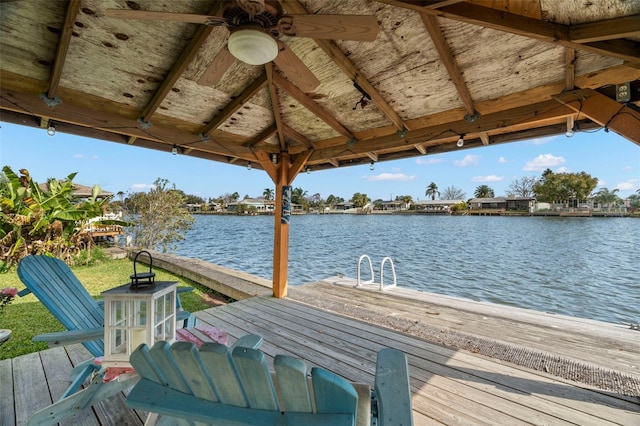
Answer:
x=7 y=411
x=29 y=384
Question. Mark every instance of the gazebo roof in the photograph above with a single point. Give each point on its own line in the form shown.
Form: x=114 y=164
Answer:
x=489 y=71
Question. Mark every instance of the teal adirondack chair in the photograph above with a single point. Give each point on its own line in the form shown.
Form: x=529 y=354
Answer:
x=216 y=385
x=60 y=291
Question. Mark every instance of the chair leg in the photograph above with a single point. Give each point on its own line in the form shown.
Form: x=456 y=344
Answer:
x=96 y=391
x=79 y=374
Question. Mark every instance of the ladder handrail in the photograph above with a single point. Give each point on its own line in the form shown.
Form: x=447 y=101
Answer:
x=393 y=270
x=361 y=283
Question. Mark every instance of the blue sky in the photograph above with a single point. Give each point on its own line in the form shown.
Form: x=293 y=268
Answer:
x=615 y=161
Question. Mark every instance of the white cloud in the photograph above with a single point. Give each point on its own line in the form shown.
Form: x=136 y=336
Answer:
x=390 y=177
x=468 y=160
x=542 y=162
x=502 y=160
x=630 y=185
x=490 y=178
x=430 y=160
x=140 y=187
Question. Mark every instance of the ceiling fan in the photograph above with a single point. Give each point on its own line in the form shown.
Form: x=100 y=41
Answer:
x=255 y=27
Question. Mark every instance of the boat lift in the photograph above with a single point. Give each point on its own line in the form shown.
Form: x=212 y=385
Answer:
x=361 y=283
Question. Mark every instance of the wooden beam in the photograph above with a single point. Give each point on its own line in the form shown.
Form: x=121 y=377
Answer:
x=236 y=104
x=63 y=48
x=292 y=134
x=265 y=134
x=297 y=166
x=433 y=27
x=311 y=105
x=275 y=106
x=267 y=165
x=484 y=137
x=178 y=68
x=525 y=115
x=373 y=156
x=334 y=162
x=606 y=112
x=349 y=68
x=624 y=27
x=421 y=149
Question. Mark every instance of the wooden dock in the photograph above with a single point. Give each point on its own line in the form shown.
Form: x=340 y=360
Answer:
x=341 y=329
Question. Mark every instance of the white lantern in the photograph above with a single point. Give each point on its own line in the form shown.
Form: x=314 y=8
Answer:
x=133 y=317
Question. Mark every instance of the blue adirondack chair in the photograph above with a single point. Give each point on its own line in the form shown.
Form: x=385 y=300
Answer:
x=216 y=385
x=60 y=291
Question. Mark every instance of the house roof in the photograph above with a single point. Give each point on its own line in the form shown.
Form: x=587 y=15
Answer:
x=80 y=191
x=491 y=71
x=437 y=202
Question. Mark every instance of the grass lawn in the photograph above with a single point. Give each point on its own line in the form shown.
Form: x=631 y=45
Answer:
x=26 y=316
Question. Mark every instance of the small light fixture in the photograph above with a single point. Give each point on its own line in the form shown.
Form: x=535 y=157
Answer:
x=460 y=142
x=252 y=46
x=308 y=170
x=174 y=150
x=274 y=158
x=249 y=165
x=571 y=131
x=372 y=166
x=51 y=130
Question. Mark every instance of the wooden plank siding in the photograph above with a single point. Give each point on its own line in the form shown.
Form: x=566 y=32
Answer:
x=449 y=386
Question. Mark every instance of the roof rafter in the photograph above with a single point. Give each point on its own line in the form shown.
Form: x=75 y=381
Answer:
x=433 y=27
x=275 y=105
x=348 y=67
x=186 y=57
x=248 y=93
x=63 y=48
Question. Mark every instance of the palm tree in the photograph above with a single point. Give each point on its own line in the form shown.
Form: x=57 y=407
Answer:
x=484 y=191
x=432 y=190
x=604 y=196
x=268 y=194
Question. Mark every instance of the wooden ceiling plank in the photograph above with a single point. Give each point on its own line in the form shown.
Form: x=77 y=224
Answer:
x=441 y=45
x=527 y=27
x=292 y=134
x=421 y=149
x=627 y=26
x=570 y=68
x=63 y=48
x=349 y=68
x=186 y=57
x=275 y=106
x=236 y=104
x=311 y=105
x=606 y=112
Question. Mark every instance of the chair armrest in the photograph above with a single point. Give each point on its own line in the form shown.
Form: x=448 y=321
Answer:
x=184 y=289
x=392 y=388
x=24 y=292
x=63 y=338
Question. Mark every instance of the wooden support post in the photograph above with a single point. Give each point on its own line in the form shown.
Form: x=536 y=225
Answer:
x=281 y=234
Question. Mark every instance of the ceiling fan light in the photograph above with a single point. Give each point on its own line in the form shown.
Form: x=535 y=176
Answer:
x=253 y=47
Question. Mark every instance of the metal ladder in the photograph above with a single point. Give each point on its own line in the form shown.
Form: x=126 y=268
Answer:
x=361 y=283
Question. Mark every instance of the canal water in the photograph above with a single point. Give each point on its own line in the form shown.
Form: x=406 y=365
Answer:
x=585 y=267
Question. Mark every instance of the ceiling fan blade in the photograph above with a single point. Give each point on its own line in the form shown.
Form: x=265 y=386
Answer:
x=149 y=15
x=340 y=27
x=216 y=69
x=293 y=67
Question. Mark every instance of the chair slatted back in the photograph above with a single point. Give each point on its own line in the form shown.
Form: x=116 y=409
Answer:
x=60 y=291
x=236 y=386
